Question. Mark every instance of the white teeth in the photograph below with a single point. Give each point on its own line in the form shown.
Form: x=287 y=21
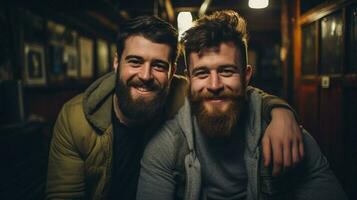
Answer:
x=141 y=89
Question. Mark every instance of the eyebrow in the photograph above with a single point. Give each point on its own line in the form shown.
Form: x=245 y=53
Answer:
x=133 y=56
x=198 y=69
x=140 y=58
x=161 y=61
x=218 y=68
x=229 y=66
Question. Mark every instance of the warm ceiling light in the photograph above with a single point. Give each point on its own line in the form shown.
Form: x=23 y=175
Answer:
x=258 y=4
x=184 y=22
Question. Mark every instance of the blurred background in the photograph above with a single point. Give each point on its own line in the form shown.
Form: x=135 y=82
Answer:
x=50 y=51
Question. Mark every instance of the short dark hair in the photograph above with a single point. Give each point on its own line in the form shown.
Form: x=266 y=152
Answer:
x=211 y=30
x=153 y=29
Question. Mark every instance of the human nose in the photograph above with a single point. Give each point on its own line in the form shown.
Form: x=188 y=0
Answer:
x=215 y=84
x=145 y=72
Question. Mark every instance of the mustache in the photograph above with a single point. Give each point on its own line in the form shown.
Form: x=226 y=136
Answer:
x=209 y=96
x=148 y=85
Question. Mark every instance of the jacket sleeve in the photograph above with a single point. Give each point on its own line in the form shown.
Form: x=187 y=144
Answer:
x=156 y=180
x=269 y=102
x=314 y=178
x=65 y=176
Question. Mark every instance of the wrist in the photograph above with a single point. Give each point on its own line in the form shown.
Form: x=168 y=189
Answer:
x=281 y=112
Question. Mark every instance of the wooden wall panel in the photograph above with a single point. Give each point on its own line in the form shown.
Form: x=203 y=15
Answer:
x=330 y=128
x=46 y=104
x=308 y=101
x=350 y=141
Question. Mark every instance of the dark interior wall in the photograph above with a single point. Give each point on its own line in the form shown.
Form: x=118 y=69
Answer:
x=51 y=39
x=325 y=83
x=27 y=115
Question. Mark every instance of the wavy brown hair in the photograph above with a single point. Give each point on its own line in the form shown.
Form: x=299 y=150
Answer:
x=211 y=30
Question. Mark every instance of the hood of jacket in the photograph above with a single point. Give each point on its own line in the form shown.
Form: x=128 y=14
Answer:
x=98 y=101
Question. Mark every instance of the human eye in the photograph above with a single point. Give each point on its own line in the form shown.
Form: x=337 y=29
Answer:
x=160 y=66
x=201 y=74
x=228 y=71
x=134 y=62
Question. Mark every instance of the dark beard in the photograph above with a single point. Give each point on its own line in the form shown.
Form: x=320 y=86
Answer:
x=140 y=110
x=217 y=123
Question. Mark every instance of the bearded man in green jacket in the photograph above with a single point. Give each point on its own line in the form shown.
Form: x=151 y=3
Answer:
x=100 y=135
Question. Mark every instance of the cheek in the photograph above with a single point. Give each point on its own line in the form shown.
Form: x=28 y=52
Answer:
x=197 y=85
x=126 y=73
x=162 y=78
x=233 y=84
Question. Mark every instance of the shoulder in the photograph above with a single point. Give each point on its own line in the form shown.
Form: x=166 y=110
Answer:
x=167 y=135
x=72 y=129
x=164 y=145
x=72 y=112
x=72 y=106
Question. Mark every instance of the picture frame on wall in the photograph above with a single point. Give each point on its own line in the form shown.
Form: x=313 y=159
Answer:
x=56 y=69
x=103 y=57
x=86 y=57
x=56 y=32
x=71 y=61
x=34 y=70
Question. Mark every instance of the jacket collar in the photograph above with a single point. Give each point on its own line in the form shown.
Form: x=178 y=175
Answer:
x=98 y=102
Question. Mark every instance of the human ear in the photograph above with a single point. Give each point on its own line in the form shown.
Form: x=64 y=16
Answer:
x=248 y=73
x=115 y=62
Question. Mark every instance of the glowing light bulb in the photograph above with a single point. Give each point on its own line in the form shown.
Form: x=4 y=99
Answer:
x=258 y=4
x=184 y=22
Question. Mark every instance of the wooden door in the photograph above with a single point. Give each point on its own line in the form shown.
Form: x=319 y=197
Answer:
x=325 y=80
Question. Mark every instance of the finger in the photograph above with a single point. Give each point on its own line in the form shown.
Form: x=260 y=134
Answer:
x=278 y=159
x=266 y=151
x=295 y=153
x=287 y=153
x=301 y=149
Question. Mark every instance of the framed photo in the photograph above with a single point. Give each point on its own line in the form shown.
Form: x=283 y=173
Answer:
x=103 y=57
x=71 y=61
x=56 y=32
x=57 y=65
x=35 y=71
x=86 y=57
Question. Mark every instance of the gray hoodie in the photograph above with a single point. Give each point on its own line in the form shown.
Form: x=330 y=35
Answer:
x=171 y=169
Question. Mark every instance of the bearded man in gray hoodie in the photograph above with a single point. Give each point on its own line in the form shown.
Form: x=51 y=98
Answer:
x=212 y=149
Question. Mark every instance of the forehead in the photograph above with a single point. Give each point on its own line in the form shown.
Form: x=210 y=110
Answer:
x=224 y=54
x=140 y=46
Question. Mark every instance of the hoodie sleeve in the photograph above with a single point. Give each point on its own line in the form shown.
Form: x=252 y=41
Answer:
x=270 y=102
